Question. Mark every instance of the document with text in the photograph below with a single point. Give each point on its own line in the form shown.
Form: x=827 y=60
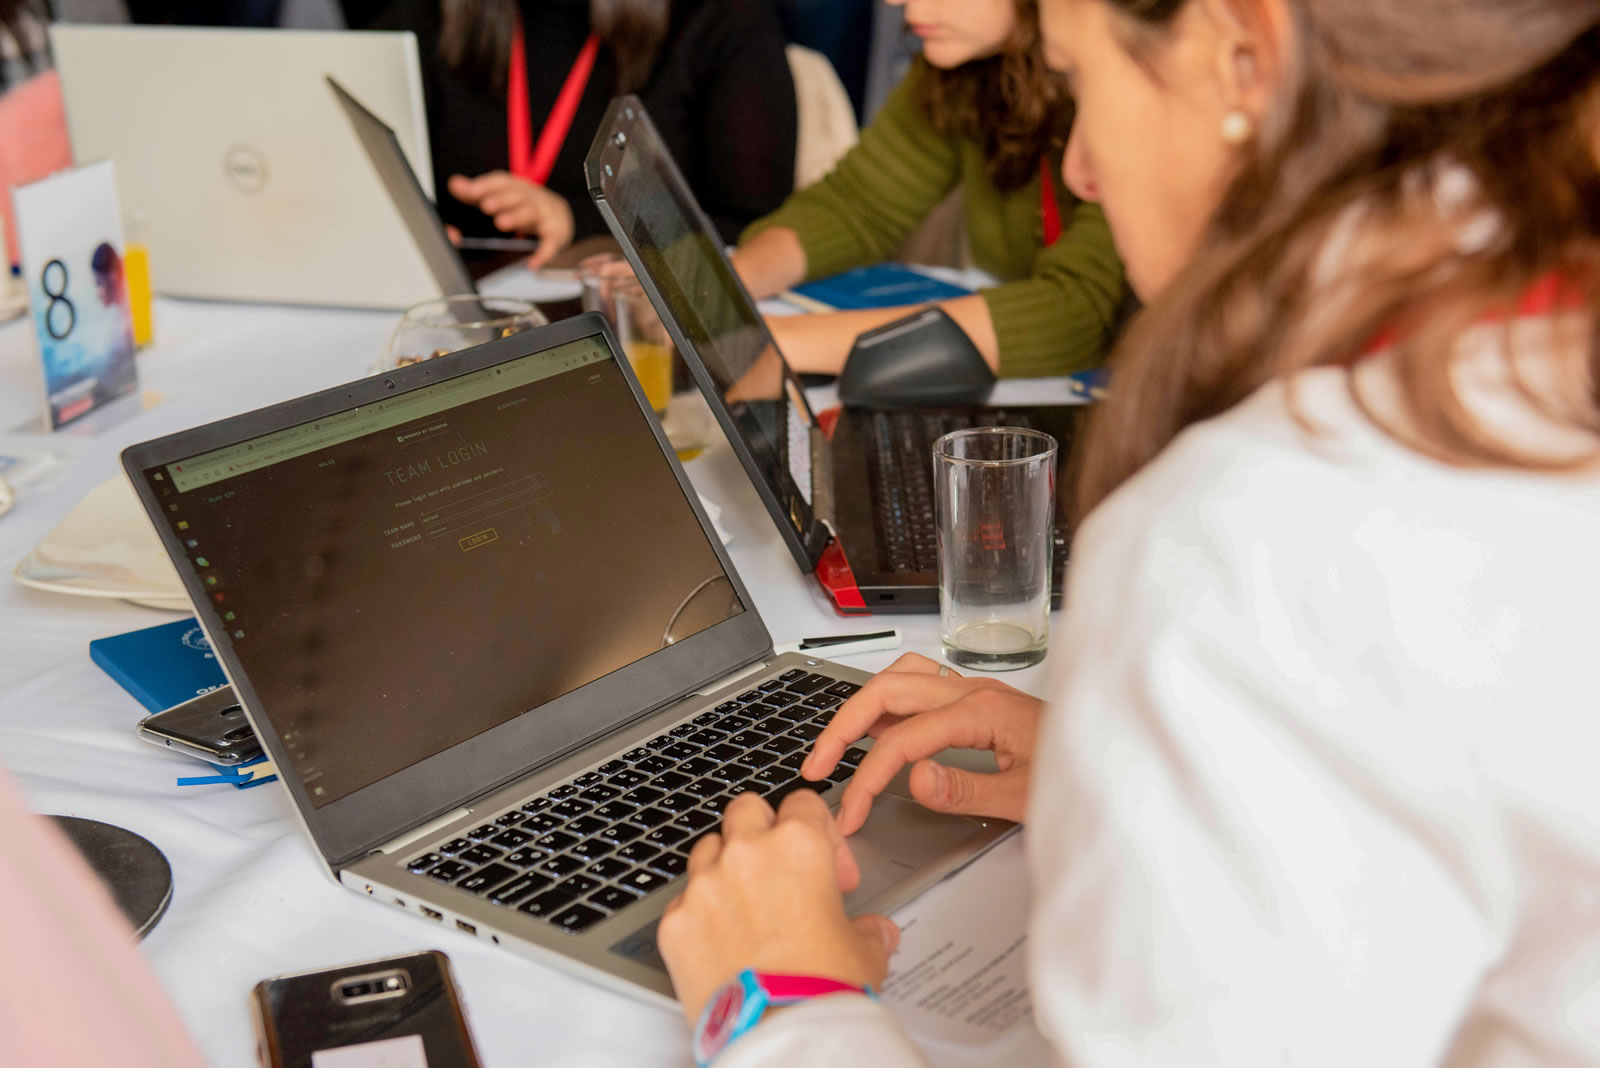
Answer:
x=960 y=974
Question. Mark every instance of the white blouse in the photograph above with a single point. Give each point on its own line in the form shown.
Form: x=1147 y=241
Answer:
x=1323 y=763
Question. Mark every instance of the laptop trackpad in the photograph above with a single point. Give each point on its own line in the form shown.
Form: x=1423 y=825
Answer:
x=900 y=839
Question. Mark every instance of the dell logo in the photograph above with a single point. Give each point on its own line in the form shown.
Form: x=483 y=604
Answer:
x=245 y=169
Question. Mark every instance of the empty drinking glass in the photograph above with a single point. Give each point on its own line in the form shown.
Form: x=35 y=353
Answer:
x=995 y=496
x=448 y=324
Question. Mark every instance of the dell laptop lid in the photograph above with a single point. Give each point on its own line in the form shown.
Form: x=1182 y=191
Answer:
x=678 y=257
x=230 y=142
x=426 y=584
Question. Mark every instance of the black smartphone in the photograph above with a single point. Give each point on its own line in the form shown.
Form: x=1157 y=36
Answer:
x=400 y=1012
x=211 y=726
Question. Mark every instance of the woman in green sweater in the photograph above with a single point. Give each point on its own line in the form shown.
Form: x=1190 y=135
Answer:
x=979 y=110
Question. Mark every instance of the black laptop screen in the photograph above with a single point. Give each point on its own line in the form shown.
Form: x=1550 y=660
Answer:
x=682 y=256
x=403 y=576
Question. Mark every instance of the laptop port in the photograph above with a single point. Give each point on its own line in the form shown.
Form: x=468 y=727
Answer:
x=432 y=914
x=467 y=927
x=400 y=901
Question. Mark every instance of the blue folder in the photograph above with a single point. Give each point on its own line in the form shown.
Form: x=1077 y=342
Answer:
x=167 y=665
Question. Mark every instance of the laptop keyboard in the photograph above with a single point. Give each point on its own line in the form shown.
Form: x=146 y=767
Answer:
x=592 y=846
x=900 y=468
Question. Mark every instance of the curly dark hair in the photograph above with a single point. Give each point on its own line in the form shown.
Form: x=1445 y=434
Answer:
x=1011 y=104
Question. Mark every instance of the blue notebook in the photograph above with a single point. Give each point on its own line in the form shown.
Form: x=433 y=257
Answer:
x=161 y=666
x=167 y=665
x=883 y=285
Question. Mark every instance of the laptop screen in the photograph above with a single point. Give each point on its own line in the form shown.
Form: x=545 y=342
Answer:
x=402 y=576
x=681 y=255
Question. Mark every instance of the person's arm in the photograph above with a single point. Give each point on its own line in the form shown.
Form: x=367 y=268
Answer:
x=1252 y=856
x=841 y=1032
x=74 y=989
x=1058 y=320
x=820 y=344
x=765 y=893
x=1063 y=317
x=864 y=208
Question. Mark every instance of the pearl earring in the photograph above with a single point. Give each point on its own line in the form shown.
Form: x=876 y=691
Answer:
x=1236 y=127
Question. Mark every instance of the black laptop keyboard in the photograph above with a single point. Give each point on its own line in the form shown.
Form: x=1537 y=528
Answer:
x=900 y=467
x=606 y=839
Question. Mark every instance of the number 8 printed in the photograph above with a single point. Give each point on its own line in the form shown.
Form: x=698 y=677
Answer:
x=58 y=297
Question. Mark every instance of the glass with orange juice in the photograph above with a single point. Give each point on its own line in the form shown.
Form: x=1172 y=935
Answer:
x=610 y=288
x=136 y=270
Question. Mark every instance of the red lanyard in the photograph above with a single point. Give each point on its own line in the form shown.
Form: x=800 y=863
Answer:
x=534 y=163
x=1049 y=210
x=1547 y=295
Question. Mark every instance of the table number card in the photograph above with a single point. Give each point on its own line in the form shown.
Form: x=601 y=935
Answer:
x=70 y=230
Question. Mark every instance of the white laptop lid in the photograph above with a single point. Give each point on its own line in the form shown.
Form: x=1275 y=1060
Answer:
x=230 y=141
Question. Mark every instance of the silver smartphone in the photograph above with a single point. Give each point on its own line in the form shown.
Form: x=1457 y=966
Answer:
x=211 y=726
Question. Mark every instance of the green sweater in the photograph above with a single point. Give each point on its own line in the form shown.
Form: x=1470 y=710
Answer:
x=1057 y=306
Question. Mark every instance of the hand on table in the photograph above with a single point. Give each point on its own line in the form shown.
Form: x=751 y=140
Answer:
x=913 y=712
x=767 y=893
x=519 y=206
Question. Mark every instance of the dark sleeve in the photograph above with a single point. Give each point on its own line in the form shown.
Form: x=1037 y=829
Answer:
x=723 y=99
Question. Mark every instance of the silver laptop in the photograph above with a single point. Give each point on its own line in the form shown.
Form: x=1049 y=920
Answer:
x=507 y=671
x=230 y=141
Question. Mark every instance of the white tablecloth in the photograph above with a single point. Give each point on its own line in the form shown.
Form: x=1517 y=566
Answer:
x=251 y=899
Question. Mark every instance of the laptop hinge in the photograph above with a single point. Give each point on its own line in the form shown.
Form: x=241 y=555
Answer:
x=394 y=845
x=729 y=680
x=821 y=478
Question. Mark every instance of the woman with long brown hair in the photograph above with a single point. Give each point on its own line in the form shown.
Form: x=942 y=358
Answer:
x=1316 y=785
x=515 y=90
x=978 y=110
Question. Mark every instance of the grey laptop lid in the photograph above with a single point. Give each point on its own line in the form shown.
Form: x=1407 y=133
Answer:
x=427 y=584
x=678 y=257
x=410 y=200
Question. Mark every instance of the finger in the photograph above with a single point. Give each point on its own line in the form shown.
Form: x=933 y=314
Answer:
x=469 y=190
x=704 y=854
x=747 y=814
x=880 y=937
x=512 y=197
x=891 y=693
x=1002 y=794
x=453 y=234
x=810 y=809
x=958 y=725
x=916 y=663
x=549 y=245
x=522 y=219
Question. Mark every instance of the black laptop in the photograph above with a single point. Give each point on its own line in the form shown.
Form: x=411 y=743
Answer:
x=851 y=491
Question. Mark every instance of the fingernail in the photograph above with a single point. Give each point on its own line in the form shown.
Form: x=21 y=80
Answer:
x=889 y=931
x=941 y=781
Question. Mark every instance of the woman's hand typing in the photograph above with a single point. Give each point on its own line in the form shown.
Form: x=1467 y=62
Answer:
x=767 y=893
x=913 y=712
